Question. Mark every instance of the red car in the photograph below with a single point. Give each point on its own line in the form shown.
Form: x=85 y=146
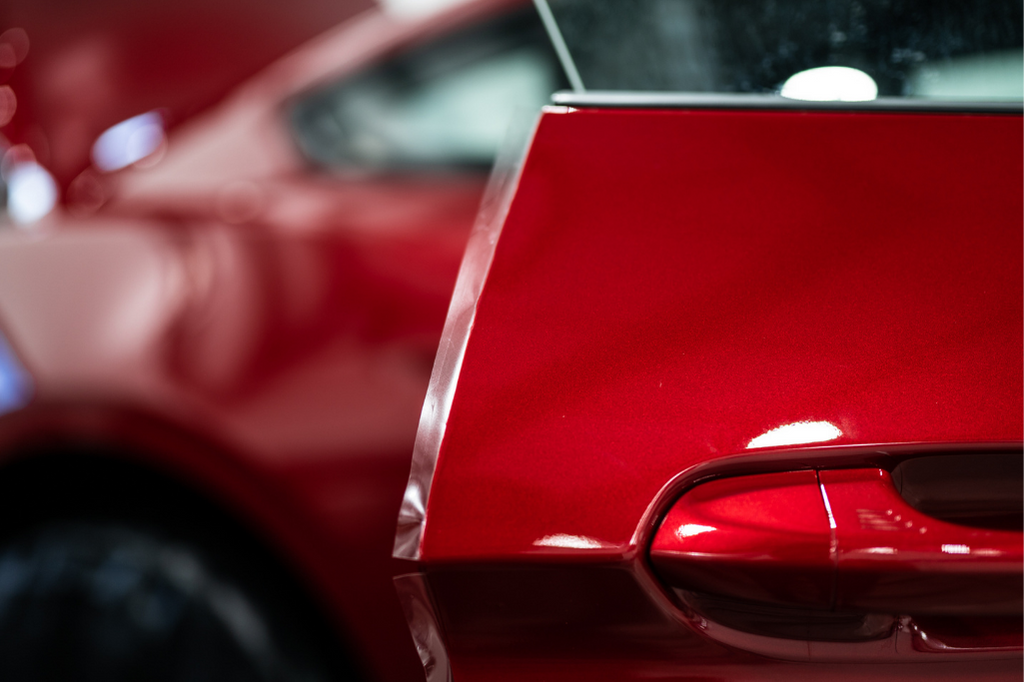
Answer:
x=212 y=360
x=731 y=383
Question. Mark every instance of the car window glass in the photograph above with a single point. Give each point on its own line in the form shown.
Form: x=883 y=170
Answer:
x=947 y=49
x=445 y=104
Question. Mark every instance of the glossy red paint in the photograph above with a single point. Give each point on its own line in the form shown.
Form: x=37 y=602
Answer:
x=842 y=551
x=750 y=270
x=892 y=557
x=770 y=538
x=581 y=620
x=255 y=328
x=678 y=295
x=764 y=538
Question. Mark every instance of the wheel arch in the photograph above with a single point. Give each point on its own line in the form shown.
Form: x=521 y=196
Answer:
x=111 y=464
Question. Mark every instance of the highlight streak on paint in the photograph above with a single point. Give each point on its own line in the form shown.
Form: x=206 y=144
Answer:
x=797 y=433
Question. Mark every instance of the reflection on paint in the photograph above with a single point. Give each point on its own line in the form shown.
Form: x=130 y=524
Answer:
x=880 y=550
x=956 y=549
x=830 y=84
x=688 y=530
x=15 y=384
x=797 y=434
x=828 y=507
x=987 y=551
x=568 y=541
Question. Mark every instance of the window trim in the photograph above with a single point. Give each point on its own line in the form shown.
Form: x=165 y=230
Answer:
x=614 y=99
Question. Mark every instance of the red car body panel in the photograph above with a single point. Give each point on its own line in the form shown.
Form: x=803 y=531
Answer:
x=764 y=538
x=672 y=291
x=973 y=568
x=772 y=538
x=727 y=274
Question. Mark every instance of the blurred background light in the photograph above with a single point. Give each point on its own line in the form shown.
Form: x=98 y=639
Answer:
x=31 y=192
x=8 y=104
x=13 y=47
x=128 y=141
x=830 y=84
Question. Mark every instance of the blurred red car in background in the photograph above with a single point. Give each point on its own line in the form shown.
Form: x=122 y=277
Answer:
x=78 y=68
x=213 y=356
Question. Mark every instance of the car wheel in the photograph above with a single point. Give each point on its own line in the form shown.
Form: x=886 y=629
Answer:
x=102 y=601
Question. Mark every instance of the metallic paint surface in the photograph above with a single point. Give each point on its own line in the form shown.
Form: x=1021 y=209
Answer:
x=451 y=351
x=764 y=538
x=892 y=557
x=729 y=273
x=772 y=544
x=669 y=286
x=767 y=538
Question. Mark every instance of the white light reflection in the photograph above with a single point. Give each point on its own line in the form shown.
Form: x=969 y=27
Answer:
x=796 y=434
x=830 y=84
x=956 y=549
x=128 y=141
x=31 y=192
x=417 y=9
x=828 y=507
x=568 y=541
x=880 y=550
x=986 y=552
x=688 y=530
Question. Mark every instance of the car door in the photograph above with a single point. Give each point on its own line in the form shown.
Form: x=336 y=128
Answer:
x=730 y=386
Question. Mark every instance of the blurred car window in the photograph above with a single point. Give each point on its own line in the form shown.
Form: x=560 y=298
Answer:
x=445 y=104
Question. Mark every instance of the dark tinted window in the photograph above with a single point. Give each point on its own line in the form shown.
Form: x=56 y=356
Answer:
x=446 y=104
x=913 y=48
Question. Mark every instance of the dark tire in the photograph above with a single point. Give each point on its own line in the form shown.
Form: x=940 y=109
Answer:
x=105 y=602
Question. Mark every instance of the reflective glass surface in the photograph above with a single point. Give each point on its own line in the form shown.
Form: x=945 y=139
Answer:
x=939 y=49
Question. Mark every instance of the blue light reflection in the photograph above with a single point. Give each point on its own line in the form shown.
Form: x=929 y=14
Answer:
x=15 y=382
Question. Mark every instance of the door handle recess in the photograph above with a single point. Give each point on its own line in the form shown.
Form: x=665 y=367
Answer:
x=834 y=541
x=764 y=538
x=891 y=557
